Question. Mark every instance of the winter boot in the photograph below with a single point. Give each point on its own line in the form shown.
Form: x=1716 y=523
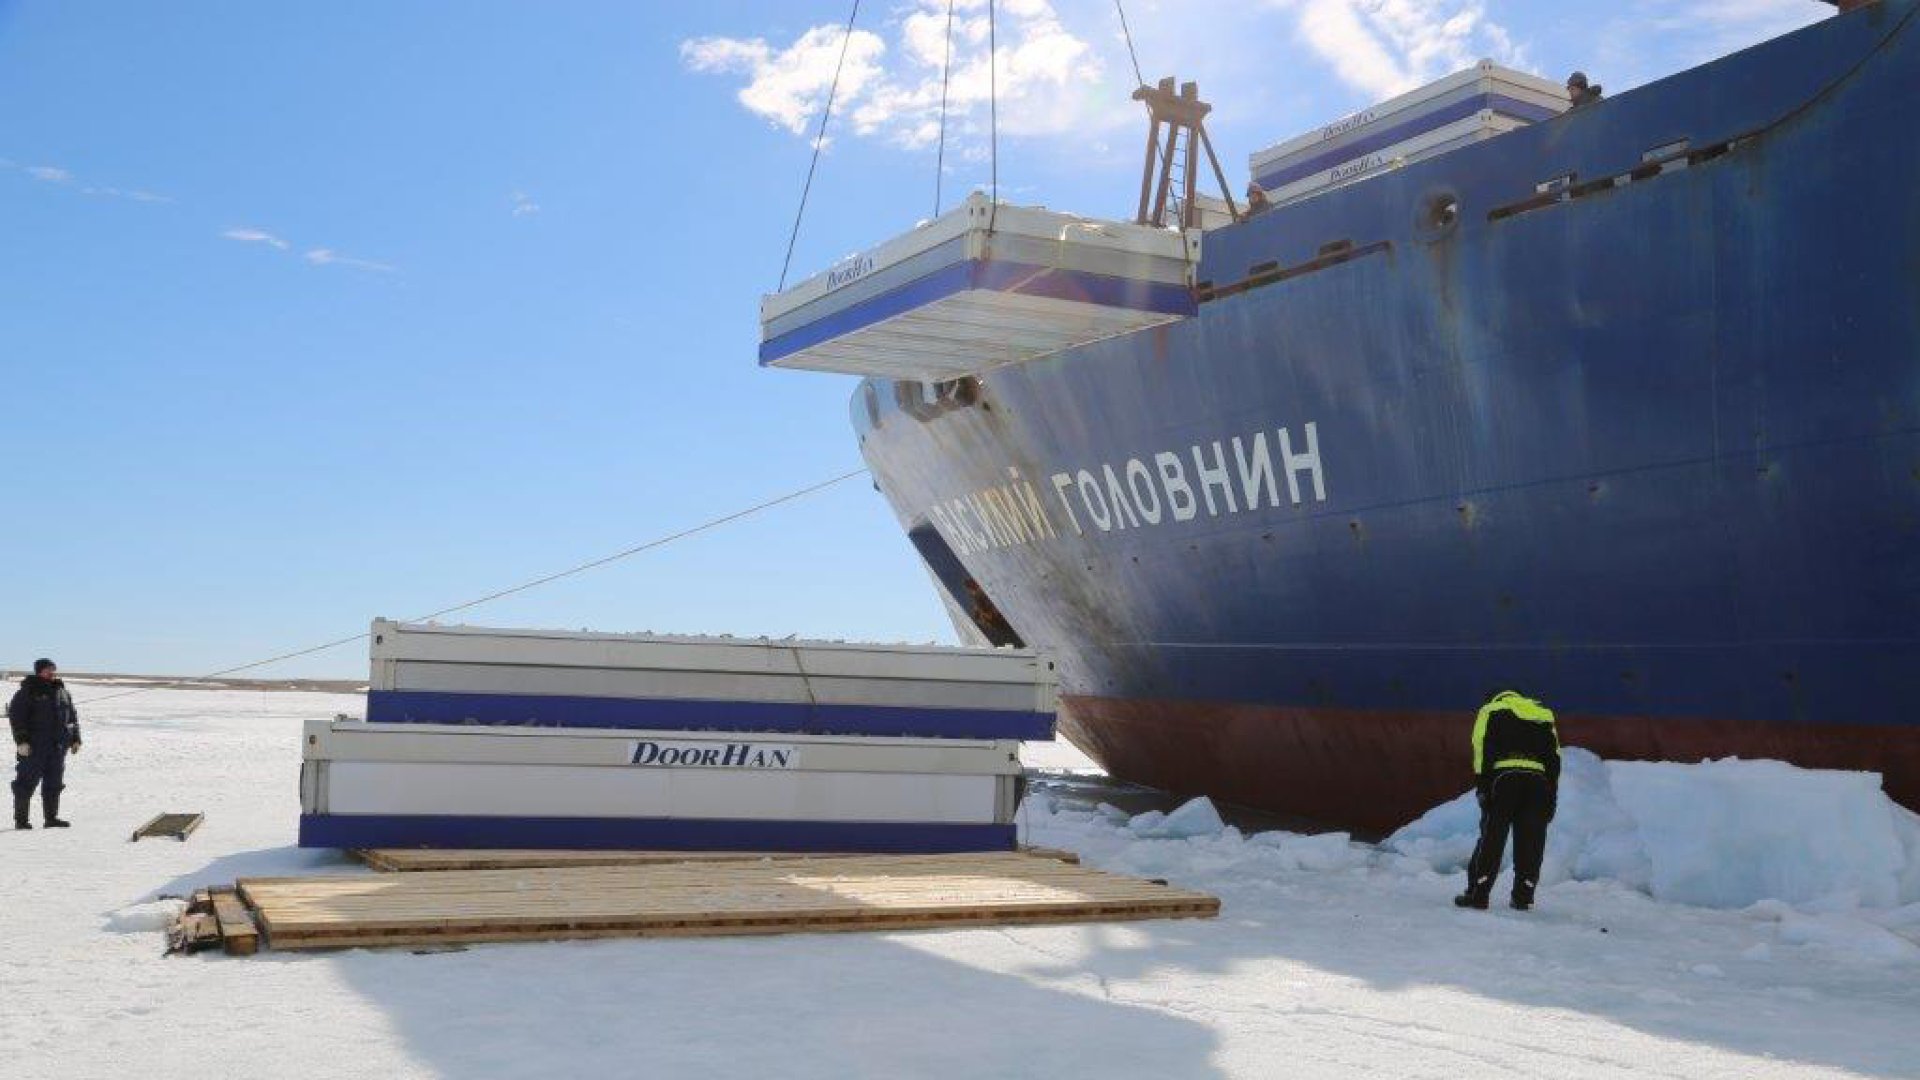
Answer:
x=1476 y=896
x=20 y=813
x=50 y=806
x=1522 y=899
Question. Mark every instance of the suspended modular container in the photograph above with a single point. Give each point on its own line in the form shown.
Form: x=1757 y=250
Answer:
x=428 y=674
x=978 y=287
x=1494 y=98
x=367 y=785
x=1482 y=125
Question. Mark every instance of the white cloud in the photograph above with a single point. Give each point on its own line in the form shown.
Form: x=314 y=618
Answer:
x=256 y=236
x=789 y=86
x=891 y=86
x=329 y=257
x=523 y=204
x=134 y=195
x=54 y=174
x=1388 y=47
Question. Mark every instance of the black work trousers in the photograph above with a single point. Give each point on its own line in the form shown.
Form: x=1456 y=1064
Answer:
x=44 y=767
x=1520 y=801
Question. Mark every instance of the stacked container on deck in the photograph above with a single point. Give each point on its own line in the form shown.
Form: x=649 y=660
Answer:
x=1479 y=103
x=512 y=738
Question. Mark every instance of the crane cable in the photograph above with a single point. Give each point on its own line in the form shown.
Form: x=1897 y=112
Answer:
x=946 y=74
x=581 y=568
x=993 y=117
x=1127 y=33
x=819 y=140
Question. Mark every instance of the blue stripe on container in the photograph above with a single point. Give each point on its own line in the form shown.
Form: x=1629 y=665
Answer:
x=677 y=714
x=1408 y=129
x=647 y=834
x=1023 y=279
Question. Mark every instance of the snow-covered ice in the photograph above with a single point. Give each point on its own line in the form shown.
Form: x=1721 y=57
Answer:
x=1330 y=958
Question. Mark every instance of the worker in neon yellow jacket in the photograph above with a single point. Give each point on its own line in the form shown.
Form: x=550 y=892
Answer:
x=1516 y=769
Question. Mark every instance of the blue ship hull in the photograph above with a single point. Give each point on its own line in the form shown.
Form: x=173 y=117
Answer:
x=1621 y=409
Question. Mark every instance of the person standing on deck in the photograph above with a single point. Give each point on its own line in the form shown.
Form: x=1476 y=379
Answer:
x=1257 y=201
x=46 y=728
x=1516 y=769
x=1581 y=92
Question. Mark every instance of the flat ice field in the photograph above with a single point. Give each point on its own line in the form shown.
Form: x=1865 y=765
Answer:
x=1329 y=958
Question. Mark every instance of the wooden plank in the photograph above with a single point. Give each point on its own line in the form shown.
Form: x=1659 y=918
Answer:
x=411 y=860
x=192 y=932
x=238 y=934
x=679 y=899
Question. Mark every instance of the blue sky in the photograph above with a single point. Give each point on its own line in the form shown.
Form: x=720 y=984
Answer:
x=311 y=313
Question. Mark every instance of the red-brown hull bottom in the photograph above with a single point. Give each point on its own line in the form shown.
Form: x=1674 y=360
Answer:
x=1376 y=770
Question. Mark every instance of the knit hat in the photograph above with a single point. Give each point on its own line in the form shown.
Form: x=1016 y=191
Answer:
x=43 y=664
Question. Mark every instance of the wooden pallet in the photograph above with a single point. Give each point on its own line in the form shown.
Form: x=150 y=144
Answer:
x=178 y=826
x=411 y=860
x=869 y=892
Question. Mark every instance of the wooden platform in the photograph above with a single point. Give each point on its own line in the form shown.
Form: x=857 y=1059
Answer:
x=683 y=899
x=412 y=860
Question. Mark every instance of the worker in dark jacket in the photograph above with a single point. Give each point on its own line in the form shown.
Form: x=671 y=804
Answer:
x=1516 y=769
x=1581 y=92
x=46 y=728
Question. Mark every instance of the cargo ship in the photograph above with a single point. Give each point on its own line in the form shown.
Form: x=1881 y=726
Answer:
x=1618 y=406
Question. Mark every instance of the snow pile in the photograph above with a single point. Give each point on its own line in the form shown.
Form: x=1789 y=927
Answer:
x=1870 y=935
x=147 y=918
x=1720 y=834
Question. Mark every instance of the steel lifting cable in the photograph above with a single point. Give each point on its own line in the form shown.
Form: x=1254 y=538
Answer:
x=946 y=74
x=548 y=579
x=818 y=141
x=1128 y=34
x=993 y=117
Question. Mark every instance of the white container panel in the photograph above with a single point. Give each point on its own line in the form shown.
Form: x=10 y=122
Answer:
x=716 y=686
x=1101 y=246
x=398 y=641
x=355 y=741
x=465 y=789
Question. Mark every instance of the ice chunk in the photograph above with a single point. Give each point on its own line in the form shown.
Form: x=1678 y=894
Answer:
x=1195 y=817
x=1593 y=838
x=1443 y=837
x=1323 y=851
x=1906 y=825
x=1727 y=833
x=1146 y=824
